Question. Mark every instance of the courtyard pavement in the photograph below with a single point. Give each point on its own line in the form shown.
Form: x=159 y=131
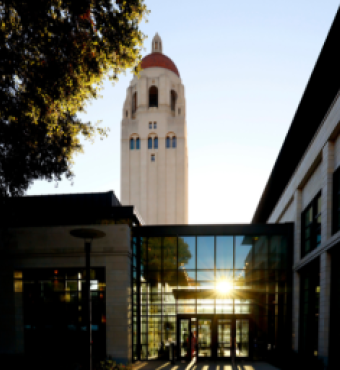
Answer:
x=202 y=365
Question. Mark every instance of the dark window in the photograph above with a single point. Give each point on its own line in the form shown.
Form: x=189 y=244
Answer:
x=168 y=145
x=174 y=142
x=132 y=143
x=155 y=125
x=336 y=201
x=149 y=143
x=126 y=113
x=155 y=142
x=153 y=96
x=153 y=158
x=311 y=226
x=173 y=97
x=134 y=102
x=137 y=143
x=309 y=308
x=150 y=125
x=179 y=111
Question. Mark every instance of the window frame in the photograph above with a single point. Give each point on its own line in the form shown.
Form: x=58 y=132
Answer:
x=132 y=143
x=150 y=142
x=314 y=227
x=335 y=201
x=153 y=97
x=174 y=142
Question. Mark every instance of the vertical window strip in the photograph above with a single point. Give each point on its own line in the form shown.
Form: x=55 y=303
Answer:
x=132 y=143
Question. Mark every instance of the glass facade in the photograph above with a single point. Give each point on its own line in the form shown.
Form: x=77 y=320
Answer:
x=212 y=286
x=55 y=311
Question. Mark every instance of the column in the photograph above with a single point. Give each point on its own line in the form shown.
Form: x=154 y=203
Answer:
x=327 y=168
x=296 y=276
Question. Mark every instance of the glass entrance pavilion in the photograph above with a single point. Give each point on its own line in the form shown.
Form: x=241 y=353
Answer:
x=211 y=290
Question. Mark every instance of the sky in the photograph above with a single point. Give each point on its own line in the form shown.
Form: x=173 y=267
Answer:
x=244 y=65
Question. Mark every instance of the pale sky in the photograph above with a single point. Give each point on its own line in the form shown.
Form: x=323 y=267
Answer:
x=244 y=65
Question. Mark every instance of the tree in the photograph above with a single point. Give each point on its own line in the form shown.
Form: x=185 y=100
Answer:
x=54 y=57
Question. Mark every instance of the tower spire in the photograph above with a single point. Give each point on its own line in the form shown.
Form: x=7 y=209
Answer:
x=157 y=45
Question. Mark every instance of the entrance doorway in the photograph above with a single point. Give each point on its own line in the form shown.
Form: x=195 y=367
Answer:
x=212 y=336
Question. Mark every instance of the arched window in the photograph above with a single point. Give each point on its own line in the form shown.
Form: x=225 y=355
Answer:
x=153 y=96
x=150 y=143
x=168 y=142
x=132 y=143
x=155 y=143
x=137 y=143
x=134 y=102
x=174 y=142
x=173 y=97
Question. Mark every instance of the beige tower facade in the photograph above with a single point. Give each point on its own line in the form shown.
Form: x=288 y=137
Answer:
x=154 y=153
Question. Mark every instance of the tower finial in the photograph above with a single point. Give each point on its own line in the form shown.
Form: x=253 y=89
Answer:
x=157 y=46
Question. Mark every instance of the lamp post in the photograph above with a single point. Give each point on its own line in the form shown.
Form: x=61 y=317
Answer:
x=88 y=235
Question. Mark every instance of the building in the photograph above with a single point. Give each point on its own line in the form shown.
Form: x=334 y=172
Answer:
x=154 y=153
x=43 y=310
x=258 y=289
x=303 y=188
x=150 y=285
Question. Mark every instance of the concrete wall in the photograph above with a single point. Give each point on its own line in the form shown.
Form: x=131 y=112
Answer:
x=158 y=189
x=314 y=173
x=54 y=247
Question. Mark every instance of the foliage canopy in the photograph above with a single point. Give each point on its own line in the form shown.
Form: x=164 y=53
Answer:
x=54 y=57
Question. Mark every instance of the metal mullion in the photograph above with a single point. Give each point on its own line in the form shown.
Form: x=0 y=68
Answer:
x=162 y=280
x=196 y=272
x=147 y=301
x=215 y=272
x=177 y=267
x=234 y=255
x=139 y=292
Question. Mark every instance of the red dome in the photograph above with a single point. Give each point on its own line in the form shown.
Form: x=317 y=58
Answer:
x=159 y=60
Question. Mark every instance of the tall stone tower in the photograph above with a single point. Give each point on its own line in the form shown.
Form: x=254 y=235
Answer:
x=154 y=154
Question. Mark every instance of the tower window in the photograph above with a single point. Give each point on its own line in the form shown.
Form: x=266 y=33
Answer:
x=155 y=125
x=149 y=143
x=153 y=159
x=126 y=113
x=156 y=45
x=155 y=142
x=153 y=96
x=137 y=143
x=168 y=142
x=134 y=102
x=132 y=143
x=174 y=142
x=173 y=97
x=150 y=125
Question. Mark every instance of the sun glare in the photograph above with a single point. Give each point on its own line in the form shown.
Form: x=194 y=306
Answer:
x=224 y=286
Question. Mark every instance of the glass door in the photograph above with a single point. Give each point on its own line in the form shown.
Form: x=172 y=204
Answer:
x=204 y=337
x=188 y=338
x=184 y=334
x=224 y=337
x=242 y=338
